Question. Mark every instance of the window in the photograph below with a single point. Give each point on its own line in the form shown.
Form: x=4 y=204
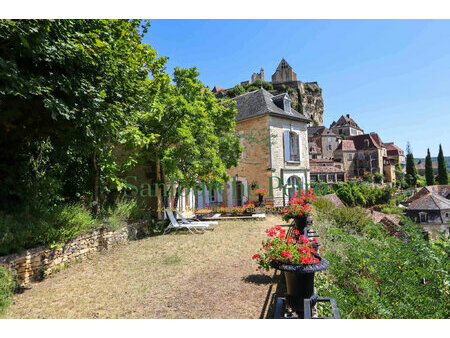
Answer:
x=313 y=177
x=294 y=184
x=423 y=217
x=322 y=178
x=329 y=147
x=340 y=131
x=291 y=146
x=340 y=177
x=366 y=143
x=330 y=177
x=447 y=215
x=352 y=131
x=350 y=157
x=329 y=139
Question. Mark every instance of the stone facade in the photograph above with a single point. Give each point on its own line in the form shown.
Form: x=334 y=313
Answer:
x=284 y=73
x=287 y=169
x=258 y=76
x=37 y=263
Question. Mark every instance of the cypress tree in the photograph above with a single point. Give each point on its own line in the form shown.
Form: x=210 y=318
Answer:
x=442 y=168
x=411 y=170
x=429 y=169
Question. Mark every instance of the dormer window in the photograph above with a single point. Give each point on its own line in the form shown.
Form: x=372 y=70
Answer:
x=287 y=103
x=366 y=143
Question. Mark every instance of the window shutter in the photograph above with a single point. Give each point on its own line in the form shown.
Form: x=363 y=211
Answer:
x=298 y=147
x=287 y=153
x=219 y=195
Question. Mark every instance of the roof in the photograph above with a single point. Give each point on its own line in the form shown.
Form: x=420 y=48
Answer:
x=360 y=143
x=345 y=121
x=421 y=165
x=430 y=201
x=320 y=131
x=319 y=161
x=346 y=145
x=217 y=89
x=393 y=150
x=442 y=190
x=260 y=102
x=320 y=169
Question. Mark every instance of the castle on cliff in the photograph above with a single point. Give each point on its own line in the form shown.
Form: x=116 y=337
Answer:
x=285 y=79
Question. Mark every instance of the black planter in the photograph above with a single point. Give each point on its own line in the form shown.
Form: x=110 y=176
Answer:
x=299 y=282
x=301 y=223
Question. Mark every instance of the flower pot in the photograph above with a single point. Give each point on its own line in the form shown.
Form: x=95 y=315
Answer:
x=301 y=223
x=299 y=282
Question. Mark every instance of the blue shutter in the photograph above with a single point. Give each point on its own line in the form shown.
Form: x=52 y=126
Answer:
x=287 y=153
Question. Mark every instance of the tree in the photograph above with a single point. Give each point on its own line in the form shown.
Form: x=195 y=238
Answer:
x=235 y=91
x=70 y=91
x=429 y=176
x=411 y=170
x=442 y=168
x=197 y=141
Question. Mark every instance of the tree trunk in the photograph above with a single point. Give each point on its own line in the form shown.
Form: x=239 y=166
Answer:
x=95 y=185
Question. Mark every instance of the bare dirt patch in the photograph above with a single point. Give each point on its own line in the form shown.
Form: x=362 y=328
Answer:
x=174 y=276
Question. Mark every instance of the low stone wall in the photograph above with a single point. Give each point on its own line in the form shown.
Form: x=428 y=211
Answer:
x=37 y=263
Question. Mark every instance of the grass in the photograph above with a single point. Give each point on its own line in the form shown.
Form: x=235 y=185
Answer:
x=174 y=276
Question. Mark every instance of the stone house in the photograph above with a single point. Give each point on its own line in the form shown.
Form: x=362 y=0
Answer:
x=346 y=126
x=326 y=171
x=431 y=210
x=364 y=154
x=395 y=154
x=421 y=167
x=275 y=149
x=315 y=151
x=327 y=140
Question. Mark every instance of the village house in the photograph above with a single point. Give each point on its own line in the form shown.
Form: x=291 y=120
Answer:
x=315 y=151
x=275 y=149
x=395 y=154
x=326 y=171
x=421 y=167
x=364 y=154
x=346 y=126
x=325 y=139
x=430 y=207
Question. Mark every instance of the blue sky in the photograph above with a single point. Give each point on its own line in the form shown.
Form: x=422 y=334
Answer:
x=391 y=76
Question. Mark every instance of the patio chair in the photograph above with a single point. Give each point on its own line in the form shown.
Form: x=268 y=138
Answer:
x=185 y=220
x=174 y=225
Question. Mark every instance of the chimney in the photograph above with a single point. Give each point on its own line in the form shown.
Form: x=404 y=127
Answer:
x=348 y=115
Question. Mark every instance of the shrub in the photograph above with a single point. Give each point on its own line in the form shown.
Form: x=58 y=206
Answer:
x=351 y=220
x=392 y=210
x=378 y=178
x=374 y=275
x=321 y=188
x=323 y=206
x=7 y=286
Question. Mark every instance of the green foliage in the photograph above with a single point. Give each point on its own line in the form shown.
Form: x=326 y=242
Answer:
x=321 y=188
x=442 y=168
x=389 y=209
x=235 y=91
x=378 y=178
x=71 y=91
x=362 y=194
x=411 y=170
x=351 y=219
x=429 y=169
x=7 y=286
x=373 y=275
x=323 y=206
x=188 y=153
x=299 y=101
x=43 y=227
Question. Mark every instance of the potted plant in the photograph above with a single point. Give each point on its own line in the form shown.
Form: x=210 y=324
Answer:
x=299 y=208
x=261 y=193
x=297 y=258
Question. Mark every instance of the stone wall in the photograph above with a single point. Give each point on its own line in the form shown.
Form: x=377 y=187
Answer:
x=37 y=263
